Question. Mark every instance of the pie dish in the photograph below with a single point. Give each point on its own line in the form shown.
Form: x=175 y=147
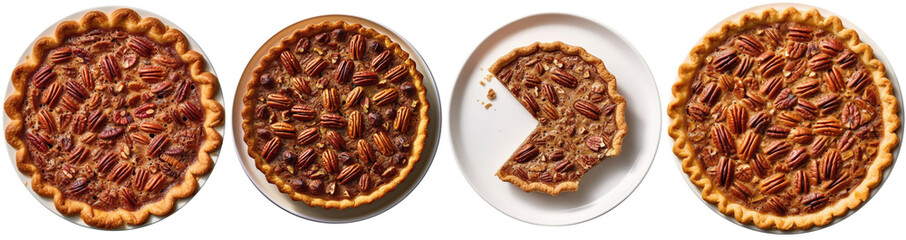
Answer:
x=335 y=115
x=579 y=111
x=784 y=119
x=113 y=117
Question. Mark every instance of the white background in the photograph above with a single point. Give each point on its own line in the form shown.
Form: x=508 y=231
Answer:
x=443 y=205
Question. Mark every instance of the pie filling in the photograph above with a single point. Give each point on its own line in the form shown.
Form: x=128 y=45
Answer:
x=575 y=112
x=112 y=119
x=784 y=118
x=336 y=115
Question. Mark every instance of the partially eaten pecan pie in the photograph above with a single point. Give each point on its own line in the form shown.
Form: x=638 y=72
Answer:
x=113 y=117
x=784 y=119
x=579 y=111
x=335 y=115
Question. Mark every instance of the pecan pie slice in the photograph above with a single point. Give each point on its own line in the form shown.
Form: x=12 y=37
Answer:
x=579 y=111
x=113 y=117
x=335 y=115
x=784 y=119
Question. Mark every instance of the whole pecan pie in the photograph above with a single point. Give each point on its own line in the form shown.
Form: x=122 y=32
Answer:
x=783 y=119
x=335 y=115
x=579 y=111
x=113 y=117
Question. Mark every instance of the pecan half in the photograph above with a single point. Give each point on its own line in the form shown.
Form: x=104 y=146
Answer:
x=128 y=198
x=858 y=80
x=357 y=47
x=777 y=131
x=303 y=112
x=353 y=97
x=525 y=153
x=306 y=157
x=745 y=65
x=838 y=184
x=725 y=172
x=349 y=172
x=290 y=64
x=773 y=184
x=402 y=121
x=307 y=136
x=799 y=34
x=335 y=140
x=190 y=112
x=76 y=91
x=364 y=151
x=587 y=109
x=60 y=55
x=278 y=101
x=800 y=182
x=549 y=93
x=529 y=102
x=120 y=172
x=740 y=190
x=333 y=121
x=595 y=143
x=828 y=102
x=269 y=150
x=749 y=45
x=44 y=76
x=830 y=46
x=78 y=187
x=736 y=118
x=760 y=166
x=697 y=111
x=806 y=109
x=772 y=87
x=106 y=162
x=96 y=119
x=47 y=121
x=820 y=62
x=760 y=121
x=828 y=165
x=383 y=143
x=846 y=59
x=329 y=161
x=365 y=78
x=158 y=143
x=110 y=132
x=145 y=110
x=112 y=70
x=151 y=127
x=814 y=201
x=710 y=94
x=721 y=138
x=77 y=155
x=162 y=89
x=397 y=73
x=806 y=88
x=796 y=50
x=770 y=64
x=330 y=100
x=381 y=61
x=828 y=126
x=531 y=80
x=344 y=71
x=777 y=150
x=314 y=66
x=562 y=166
x=300 y=85
x=283 y=130
x=749 y=145
x=564 y=78
x=550 y=111
x=796 y=158
x=724 y=60
x=385 y=96
x=151 y=74
x=52 y=94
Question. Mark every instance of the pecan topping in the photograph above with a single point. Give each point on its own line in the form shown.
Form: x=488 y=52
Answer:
x=385 y=96
x=300 y=85
x=829 y=126
x=381 y=60
x=799 y=34
x=565 y=79
x=330 y=100
x=814 y=201
x=802 y=135
x=773 y=184
x=190 y=112
x=796 y=49
x=162 y=89
x=303 y=112
x=141 y=46
x=349 y=172
x=858 y=80
x=562 y=166
x=158 y=143
x=314 y=66
x=830 y=46
x=329 y=161
x=145 y=111
x=128 y=197
x=838 y=184
x=749 y=45
x=772 y=87
x=278 y=101
x=806 y=88
x=749 y=145
x=96 y=119
x=44 y=76
x=151 y=127
x=52 y=94
x=60 y=55
x=800 y=182
x=307 y=136
x=306 y=157
x=166 y=61
x=112 y=70
x=587 y=109
x=78 y=187
x=47 y=121
x=344 y=71
x=365 y=78
x=290 y=64
x=820 y=62
x=760 y=121
x=794 y=69
x=333 y=121
x=829 y=102
x=760 y=166
x=549 y=93
x=402 y=121
x=531 y=80
x=269 y=150
x=283 y=130
x=777 y=150
x=335 y=140
x=806 y=109
x=846 y=59
x=151 y=74
x=531 y=104
x=383 y=143
x=777 y=132
x=725 y=172
x=736 y=117
x=357 y=47
x=741 y=190
x=724 y=60
x=744 y=66
x=106 y=162
x=796 y=158
x=396 y=73
x=353 y=97
x=828 y=165
x=697 y=111
x=710 y=94
x=364 y=151
x=595 y=143
x=77 y=155
x=120 y=172
x=550 y=111
x=76 y=90
x=721 y=138
x=789 y=119
x=770 y=64
x=110 y=133
x=525 y=153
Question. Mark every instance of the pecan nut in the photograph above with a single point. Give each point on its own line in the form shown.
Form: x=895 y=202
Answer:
x=283 y=130
x=397 y=73
x=587 y=109
x=349 y=172
x=269 y=150
x=329 y=161
x=333 y=121
x=381 y=60
x=307 y=136
x=773 y=184
x=303 y=112
x=365 y=78
x=278 y=101
x=385 y=96
x=365 y=152
x=344 y=71
x=525 y=153
x=402 y=121
x=335 y=140
x=383 y=143
x=314 y=66
x=564 y=78
x=330 y=100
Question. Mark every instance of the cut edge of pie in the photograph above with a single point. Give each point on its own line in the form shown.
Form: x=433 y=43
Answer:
x=131 y=21
x=417 y=144
x=683 y=149
x=619 y=112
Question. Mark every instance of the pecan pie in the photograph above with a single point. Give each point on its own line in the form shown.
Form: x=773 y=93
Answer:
x=783 y=119
x=579 y=111
x=113 y=117
x=335 y=115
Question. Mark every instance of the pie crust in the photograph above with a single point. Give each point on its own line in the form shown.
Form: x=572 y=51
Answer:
x=684 y=146
x=580 y=114
x=370 y=179
x=205 y=83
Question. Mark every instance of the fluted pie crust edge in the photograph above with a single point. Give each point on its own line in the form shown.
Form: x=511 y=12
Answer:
x=417 y=145
x=132 y=22
x=684 y=150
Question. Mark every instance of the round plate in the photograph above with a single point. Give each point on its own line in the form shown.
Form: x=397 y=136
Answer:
x=483 y=139
x=362 y=212
x=896 y=92
x=48 y=202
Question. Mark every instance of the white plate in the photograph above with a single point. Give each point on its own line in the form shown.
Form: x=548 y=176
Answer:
x=48 y=202
x=362 y=212
x=484 y=138
x=896 y=92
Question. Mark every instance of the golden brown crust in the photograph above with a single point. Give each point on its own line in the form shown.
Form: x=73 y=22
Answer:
x=131 y=21
x=619 y=112
x=684 y=149
x=418 y=143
